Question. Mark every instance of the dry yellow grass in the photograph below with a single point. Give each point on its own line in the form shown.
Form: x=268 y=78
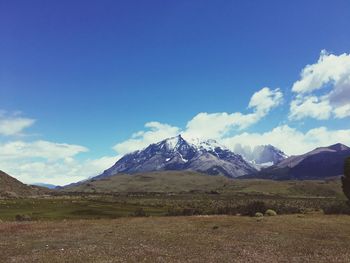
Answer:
x=292 y=238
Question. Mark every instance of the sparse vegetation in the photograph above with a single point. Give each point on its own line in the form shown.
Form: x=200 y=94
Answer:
x=94 y=206
x=140 y=212
x=23 y=218
x=337 y=209
x=253 y=208
x=346 y=178
x=171 y=239
x=219 y=197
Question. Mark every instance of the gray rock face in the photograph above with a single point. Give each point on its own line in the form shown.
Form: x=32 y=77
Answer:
x=320 y=163
x=177 y=154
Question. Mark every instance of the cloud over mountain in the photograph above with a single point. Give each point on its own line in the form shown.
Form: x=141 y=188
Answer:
x=321 y=93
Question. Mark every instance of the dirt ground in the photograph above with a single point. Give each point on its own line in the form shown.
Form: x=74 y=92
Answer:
x=288 y=238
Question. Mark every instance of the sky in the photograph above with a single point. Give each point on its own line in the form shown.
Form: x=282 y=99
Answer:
x=84 y=82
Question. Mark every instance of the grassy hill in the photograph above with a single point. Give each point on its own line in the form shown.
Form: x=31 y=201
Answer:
x=185 y=182
x=11 y=187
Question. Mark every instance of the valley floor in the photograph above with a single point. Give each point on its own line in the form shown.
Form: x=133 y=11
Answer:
x=285 y=238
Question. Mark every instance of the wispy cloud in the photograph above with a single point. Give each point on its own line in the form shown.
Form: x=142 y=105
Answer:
x=13 y=124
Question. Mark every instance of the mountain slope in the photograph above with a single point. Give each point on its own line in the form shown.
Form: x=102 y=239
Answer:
x=161 y=181
x=11 y=187
x=182 y=182
x=177 y=154
x=320 y=163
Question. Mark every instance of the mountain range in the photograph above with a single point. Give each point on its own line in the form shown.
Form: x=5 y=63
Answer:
x=177 y=154
x=320 y=163
x=211 y=158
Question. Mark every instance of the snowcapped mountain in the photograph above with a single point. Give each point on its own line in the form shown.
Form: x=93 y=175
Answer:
x=261 y=155
x=320 y=163
x=177 y=154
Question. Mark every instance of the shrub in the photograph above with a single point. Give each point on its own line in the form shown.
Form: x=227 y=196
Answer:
x=335 y=209
x=258 y=214
x=346 y=178
x=189 y=212
x=140 y=212
x=270 y=212
x=173 y=212
x=252 y=208
x=23 y=218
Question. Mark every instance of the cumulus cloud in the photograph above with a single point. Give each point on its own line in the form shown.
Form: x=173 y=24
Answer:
x=330 y=76
x=44 y=161
x=58 y=172
x=290 y=140
x=264 y=100
x=50 y=162
x=310 y=106
x=13 y=124
x=40 y=149
x=217 y=125
x=206 y=125
x=322 y=92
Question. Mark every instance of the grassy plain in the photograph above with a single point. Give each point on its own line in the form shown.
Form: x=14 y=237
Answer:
x=101 y=221
x=173 y=193
x=189 y=182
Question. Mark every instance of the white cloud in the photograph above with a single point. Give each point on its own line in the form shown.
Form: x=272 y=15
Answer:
x=290 y=140
x=331 y=74
x=39 y=149
x=322 y=92
x=49 y=162
x=310 y=106
x=58 y=172
x=13 y=124
x=265 y=99
x=217 y=125
x=155 y=132
x=205 y=125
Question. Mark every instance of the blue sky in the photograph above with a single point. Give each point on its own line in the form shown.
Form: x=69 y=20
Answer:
x=92 y=73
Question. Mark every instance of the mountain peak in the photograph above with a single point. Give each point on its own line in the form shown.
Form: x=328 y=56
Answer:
x=173 y=143
x=176 y=153
x=338 y=147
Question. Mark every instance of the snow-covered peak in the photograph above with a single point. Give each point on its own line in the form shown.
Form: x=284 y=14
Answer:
x=208 y=145
x=176 y=153
x=173 y=142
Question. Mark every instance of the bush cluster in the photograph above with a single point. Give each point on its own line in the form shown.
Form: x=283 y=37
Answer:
x=336 y=209
x=23 y=218
x=140 y=212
